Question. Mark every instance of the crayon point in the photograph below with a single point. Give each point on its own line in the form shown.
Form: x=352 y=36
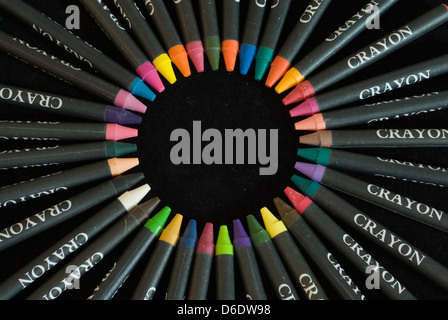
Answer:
x=317 y=155
x=298 y=200
x=139 y=88
x=272 y=224
x=306 y=108
x=195 y=51
x=247 y=56
x=212 y=47
x=223 y=243
x=230 y=50
x=118 y=149
x=256 y=231
x=313 y=171
x=262 y=61
x=121 y=165
x=287 y=213
x=150 y=75
x=205 y=243
x=314 y=123
x=308 y=187
x=115 y=132
x=190 y=235
x=279 y=67
x=302 y=92
x=163 y=64
x=179 y=57
x=171 y=233
x=157 y=222
x=291 y=79
x=121 y=116
x=318 y=139
x=127 y=101
x=240 y=236
x=131 y=198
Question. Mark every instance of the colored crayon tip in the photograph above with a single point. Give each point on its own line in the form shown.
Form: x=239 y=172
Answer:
x=190 y=235
x=171 y=233
x=139 y=88
x=240 y=237
x=291 y=79
x=256 y=231
x=121 y=116
x=262 y=60
x=287 y=213
x=230 y=49
x=150 y=75
x=195 y=51
x=308 y=187
x=313 y=171
x=120 y=165
x=205 y=243
x=317 y=155
x=318 y=139
x=164 y=65
x=115 y=132
x=314 y=123
x=223 y=243
x=157 y=222
x=302 y=92
x=212 y=46
x=179 y=57
x=279 y=67
x=150 y=205
x=307 y=108
x=127 y=101
x=247 y=56
x=118 y=149
x=273 y=226
x=131 y=198
x=298 y=200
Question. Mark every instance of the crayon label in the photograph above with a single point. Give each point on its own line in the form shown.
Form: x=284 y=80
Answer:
x=310 y=11
x=30 y=98
x=344 y=275
x=412 y=134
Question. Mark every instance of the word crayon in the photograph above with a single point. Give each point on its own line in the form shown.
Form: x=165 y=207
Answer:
x=210 y=32
x=347 y=245
x=202 y=265
x=296 y=40
x=130 y=257
x=82 y=50
x=372 y=87
x=374 y=194
x=225 y=273
x=64 y=131
x=70 y=73
x=64 y=210
x=417 y=138
x=169 y=36
x=318 y=252
x=230 y=45
x=275 y=269
x=247 y=262
x=370 y=54
x=156 y=265
x=373 y=230
x=183 y=259
x=377 y=166
x=146 y=38
x=270 y=37
x=93 y=254
x=293 y=257
x=55 y=155
x=64 y=180
x=190 y=32
x=29 y=275
x=118 y=35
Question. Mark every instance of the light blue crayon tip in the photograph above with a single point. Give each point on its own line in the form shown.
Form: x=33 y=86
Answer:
x=262 y=61
x=139 y=88
x=247 y=56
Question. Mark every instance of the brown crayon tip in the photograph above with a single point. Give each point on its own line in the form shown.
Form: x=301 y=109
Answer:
x=322 y=139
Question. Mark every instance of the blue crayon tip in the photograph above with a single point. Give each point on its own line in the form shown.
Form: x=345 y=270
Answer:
x=247 y=56
x=190 y=236
x=139 y=88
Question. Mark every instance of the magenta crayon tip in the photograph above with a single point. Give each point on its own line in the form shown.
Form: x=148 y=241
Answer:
x=313 y=171
x=195 y=51
x=306 y=108
x=205 y=243
x=116 y=132
x=150 y=75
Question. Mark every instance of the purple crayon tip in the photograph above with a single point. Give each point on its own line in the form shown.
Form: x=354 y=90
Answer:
x=313 y=171
x=240 y=236
x=121 y=116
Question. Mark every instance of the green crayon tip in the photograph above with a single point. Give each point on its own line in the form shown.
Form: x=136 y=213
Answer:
x=318 y=155
x=212 y=47
x=156 y=223
x=223 y=243
x=118 y=149
x=306 y=186
x=262 y=61
x=256 y=232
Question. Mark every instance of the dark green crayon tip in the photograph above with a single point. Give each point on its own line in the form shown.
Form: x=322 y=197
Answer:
x=156 y=223
x=118 y=149
x=306 y=186
x=257 y=233
x=212 y=46
x=318 y=155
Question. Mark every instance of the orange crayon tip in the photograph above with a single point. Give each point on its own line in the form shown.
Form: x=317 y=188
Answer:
x=279 y=67
x=230 y=49
x=314 y=123
x=179 y=57
x=121 y=165
x=292 y=78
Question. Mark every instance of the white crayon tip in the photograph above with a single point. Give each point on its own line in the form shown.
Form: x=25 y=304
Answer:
x=132 y=198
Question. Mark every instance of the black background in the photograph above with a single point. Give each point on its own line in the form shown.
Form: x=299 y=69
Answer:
x=223 y=100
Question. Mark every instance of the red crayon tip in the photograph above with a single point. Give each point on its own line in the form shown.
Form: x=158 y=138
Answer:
x=301 y=92
x=279 y=67
x=298 y=200
x=205 y=243
x=115 y=132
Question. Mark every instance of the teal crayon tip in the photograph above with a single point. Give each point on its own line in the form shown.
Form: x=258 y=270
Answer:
x=306 y=186
x=263 y=60
x=317 y=155
x=247 y=56
x=212 y=47
x=157 y=222
x=119 y=149
x=139 y=88
x=256 y=232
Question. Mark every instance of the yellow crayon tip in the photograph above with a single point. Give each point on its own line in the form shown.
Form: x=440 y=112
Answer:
x=292 y=78
x=272 y=224
x=164 y=65
x=171 y=233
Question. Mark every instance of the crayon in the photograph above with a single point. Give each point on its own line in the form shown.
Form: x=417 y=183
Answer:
x=72 y=242
x=372 y=87
x=130 y=257
x=82 y=50
x=333 y=43
x=268 y=254
x=375 y=194
x=371 y=229
x=65 y=131
x=370 y=54
x=373 y=113
x=69 y=73
x=270 y=37
x=93 y=254
x=292 y=256
x=225 y=273
x=202 y=265
x=416 y=138
x=190 y=32
x=230 y=45
x=62 y=105
x=346 y=244
x=377 y=166
x=58 y=154
x=296 y=40
x=183 y=259
x=169 y=36
x=156 y=265
x=251 y=34
x=64 y=180
x=124 y=43
x=64 y=210
x=146 y=38
x=247 y=263
x=210 y=32
x=316 y=250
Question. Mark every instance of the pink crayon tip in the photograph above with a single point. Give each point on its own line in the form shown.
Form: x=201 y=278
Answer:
x=116 y=132
x=127 y=101
x=195 y=51
x=307 y=108
x=150 y=75
x=205 y=243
